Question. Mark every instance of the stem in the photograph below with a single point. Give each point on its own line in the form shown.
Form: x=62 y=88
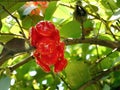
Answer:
x=97 y=52
x=102 y=74
x=20 y=63
x=67 y=5
x=110 y=7
x=106 y=43
x=105 y=56
x=64 y=82
x=15 y=19
x=11 y=34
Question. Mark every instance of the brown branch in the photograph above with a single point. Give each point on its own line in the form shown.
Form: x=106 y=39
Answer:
x=94 y=80
x=105 y=56
x=10 y=34
x=20 y=63
x=106 y=43
x=65 y=82
x=102 y=74
x=15 y=20
x=67 y=5
x=11 y=54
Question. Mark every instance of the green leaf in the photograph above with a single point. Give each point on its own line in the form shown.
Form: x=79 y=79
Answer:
x=108 y=3
x=106 y=37
x=112 y=4
x=50 y=10
x=5 y=38
x=77 y=73
x=92 y=8
x=115 y=16
x=29 y=21
x=63 y=12
x=5 y=82
x=88 y=24
x=10 y=6
x=67 y=1
x=118 y=3
x=71 y=29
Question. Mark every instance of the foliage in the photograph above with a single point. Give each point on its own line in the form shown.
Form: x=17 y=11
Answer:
x=93 y=62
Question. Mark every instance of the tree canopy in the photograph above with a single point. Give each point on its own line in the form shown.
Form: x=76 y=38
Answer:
x=90 y=30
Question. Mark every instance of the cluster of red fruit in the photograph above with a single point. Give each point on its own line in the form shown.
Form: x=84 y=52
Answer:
x=49 y=50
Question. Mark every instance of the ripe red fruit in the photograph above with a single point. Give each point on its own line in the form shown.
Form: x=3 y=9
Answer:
x=50 y=59
x=46 y=46
x=55 y=36
x=45 y=67
x=45 y=28
x=34 y=37
x=49 y=50
x=60 y=49
x=60 y=65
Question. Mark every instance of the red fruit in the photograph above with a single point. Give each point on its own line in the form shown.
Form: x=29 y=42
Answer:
x=60 y=49
x=55 y=36
x=34 y=37
x=49 y=50
x=45 y=28
x=46 y=46
x=36 y=54
x=50 y=59
x=60 y=65
x=45 y=67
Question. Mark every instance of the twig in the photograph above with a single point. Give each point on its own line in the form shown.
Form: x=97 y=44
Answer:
x=102 y=74
x=64 y=82
x=15 y=19
x=97 y=52
x=118 y=26
x=10 y=54
x=20 y=63
x=67 y=5
x=11 y=34
x=105 y=56
x=106 y=43
x=111 y=32
x=94 y=79
x=95 y=16
x=110 y=7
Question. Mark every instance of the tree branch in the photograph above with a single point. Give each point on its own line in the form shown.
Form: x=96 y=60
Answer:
x=106 y=43
x=15 y=20
x=20 y=63
x=10 y=34
x=102 y=74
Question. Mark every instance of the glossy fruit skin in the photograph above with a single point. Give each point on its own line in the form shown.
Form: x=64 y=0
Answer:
x=49 y=50
x=60 y=65
x=45 y=28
